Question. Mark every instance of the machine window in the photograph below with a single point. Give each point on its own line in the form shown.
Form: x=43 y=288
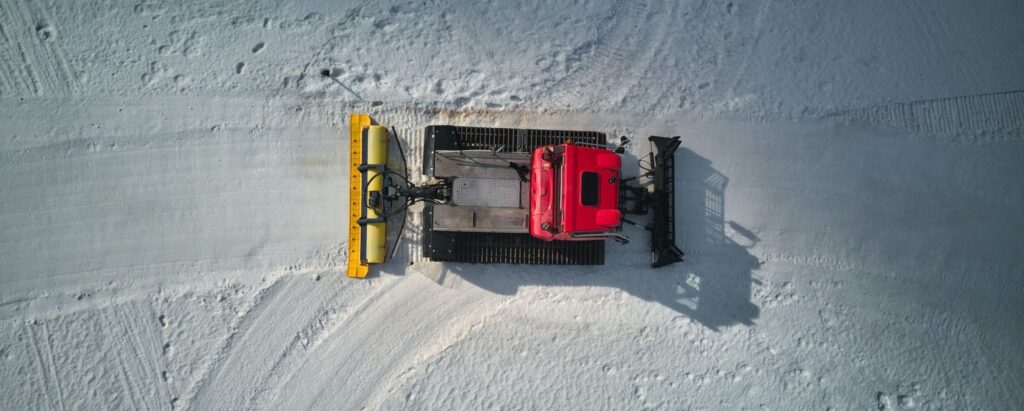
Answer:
x=589 y=187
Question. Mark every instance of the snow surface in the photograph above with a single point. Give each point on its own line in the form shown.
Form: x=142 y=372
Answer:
x=851 y=183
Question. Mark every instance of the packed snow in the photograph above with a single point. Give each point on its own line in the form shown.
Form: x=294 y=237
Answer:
x=850 y=194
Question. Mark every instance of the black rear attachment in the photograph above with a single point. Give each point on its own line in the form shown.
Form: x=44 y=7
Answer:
x=663 y=203
x=660 y=202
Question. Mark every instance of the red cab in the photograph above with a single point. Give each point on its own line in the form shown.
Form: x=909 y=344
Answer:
x=574 y=192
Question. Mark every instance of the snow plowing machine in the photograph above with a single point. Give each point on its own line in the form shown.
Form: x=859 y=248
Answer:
x=506 y=196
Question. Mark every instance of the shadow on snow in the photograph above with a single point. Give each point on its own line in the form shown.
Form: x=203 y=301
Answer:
x=713 y=285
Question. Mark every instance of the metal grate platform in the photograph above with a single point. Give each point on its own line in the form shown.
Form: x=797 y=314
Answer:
x=487 y=192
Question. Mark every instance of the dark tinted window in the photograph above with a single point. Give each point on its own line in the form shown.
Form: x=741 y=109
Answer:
x=589 y=188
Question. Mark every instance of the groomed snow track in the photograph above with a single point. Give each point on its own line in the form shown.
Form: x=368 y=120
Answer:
x=172 y=190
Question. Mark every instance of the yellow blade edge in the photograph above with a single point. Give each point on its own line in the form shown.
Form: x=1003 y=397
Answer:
x=357 y=122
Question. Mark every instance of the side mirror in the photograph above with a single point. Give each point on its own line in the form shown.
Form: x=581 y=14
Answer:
x=622 y=145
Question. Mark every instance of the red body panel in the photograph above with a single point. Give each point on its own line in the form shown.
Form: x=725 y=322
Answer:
x=557 y=208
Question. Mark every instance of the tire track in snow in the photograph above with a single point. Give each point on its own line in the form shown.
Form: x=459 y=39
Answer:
x=154 y=347
x=226 y=356
x=17 y=78
x=381 y=341
x=974 y=119
x=53 y=57
x=45 y=367
x=758 y=30
x=614 y=50
x=696 y=72
x=123 y=374
x=288 y=319
x=940 y=39
x=146 y=354
x=317 y=330
x=7 y=85
x=28 y=30
x=53 y=366
x=432 y=353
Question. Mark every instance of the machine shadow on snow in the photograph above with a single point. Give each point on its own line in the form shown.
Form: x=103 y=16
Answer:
x=712 y=286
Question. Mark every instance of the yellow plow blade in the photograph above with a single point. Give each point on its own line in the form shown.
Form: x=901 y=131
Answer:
x=366 y=229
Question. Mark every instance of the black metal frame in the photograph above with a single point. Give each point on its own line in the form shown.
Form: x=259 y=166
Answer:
x=663 y=203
